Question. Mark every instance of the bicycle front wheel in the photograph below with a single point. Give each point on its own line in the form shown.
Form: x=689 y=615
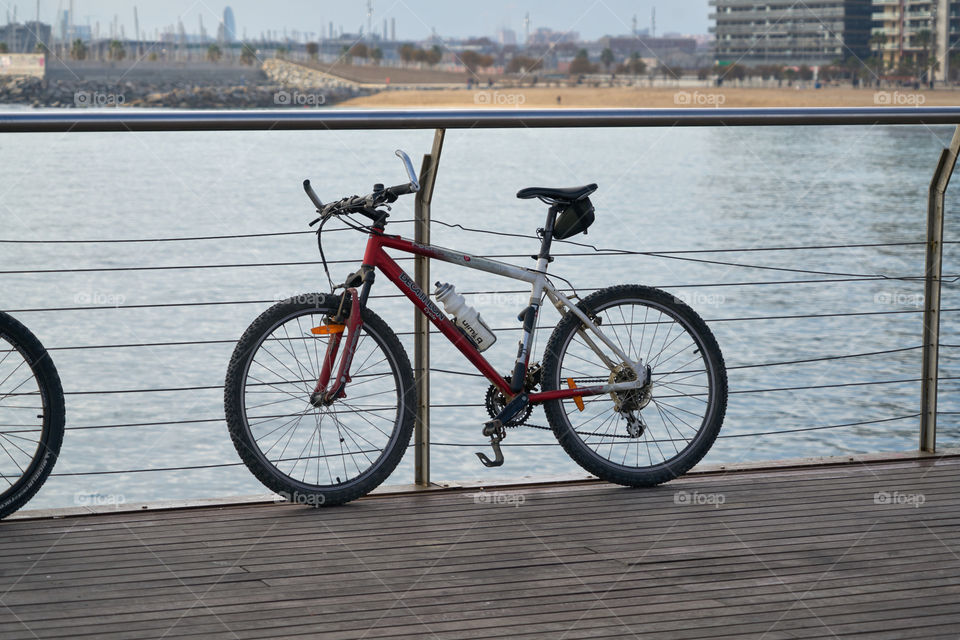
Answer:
x=645 y=436
x=322 y=455
x=31 y=415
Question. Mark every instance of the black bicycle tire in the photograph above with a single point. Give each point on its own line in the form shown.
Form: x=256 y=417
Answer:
x=54 y=415
x=243 y=441
x=565 y=432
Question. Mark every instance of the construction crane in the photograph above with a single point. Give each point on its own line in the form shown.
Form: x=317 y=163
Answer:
x=136 y=30
x=370 y=19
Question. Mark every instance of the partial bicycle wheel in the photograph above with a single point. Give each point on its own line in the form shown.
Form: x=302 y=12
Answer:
x=31 y=415
x=649 y=435
x=322 y=455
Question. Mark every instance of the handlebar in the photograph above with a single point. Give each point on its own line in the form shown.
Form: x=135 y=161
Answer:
x=312 y=195
x=367 y=205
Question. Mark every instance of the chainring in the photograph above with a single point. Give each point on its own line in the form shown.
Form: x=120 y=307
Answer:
x=496 y=401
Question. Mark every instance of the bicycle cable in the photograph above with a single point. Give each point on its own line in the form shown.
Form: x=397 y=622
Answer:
x=323 y=258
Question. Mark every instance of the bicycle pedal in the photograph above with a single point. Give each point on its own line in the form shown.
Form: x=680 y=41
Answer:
x=497 y=452
x=493 y=426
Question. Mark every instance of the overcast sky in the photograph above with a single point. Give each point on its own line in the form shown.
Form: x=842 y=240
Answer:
x=415 y=18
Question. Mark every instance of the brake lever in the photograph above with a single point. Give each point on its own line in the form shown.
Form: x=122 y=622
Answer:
x=408 y=165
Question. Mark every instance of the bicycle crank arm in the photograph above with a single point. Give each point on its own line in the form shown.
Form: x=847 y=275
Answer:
x=495 y=429
x=509 y=412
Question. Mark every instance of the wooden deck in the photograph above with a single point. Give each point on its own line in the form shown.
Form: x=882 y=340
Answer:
x=807 y=553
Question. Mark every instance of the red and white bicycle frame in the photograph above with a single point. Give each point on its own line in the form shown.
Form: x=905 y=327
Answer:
x=376 y=257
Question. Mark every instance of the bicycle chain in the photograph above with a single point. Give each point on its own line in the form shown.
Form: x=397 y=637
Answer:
x=543 y=428
x=582 y=433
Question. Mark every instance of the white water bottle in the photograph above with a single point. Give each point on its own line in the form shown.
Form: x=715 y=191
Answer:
x=465 y=316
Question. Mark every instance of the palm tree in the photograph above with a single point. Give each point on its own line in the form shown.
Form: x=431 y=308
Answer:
x=607 y=58
x=78 y=51
x=313 y=50
x=924 y=41
x=636 y=65
x=877 y=41
x=247 y=54
x=954 y=65
x=4 y=48
x=116 y=51
x=214 y=53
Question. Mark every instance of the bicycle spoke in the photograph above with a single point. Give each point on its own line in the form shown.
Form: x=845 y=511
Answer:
x=679 y=394
x=300 y=444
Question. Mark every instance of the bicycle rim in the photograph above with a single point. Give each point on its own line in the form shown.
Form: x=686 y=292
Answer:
x=328 y=446
x=682 y=396
x=24 y=411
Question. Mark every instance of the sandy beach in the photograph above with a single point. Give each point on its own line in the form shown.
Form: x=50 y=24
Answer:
x=543 y=97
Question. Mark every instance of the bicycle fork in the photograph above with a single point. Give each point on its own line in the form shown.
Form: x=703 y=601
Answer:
x=324 y=393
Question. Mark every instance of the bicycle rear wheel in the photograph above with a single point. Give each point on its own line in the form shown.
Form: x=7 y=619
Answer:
x=31 y=415
x=323 y=455
x=650 y=435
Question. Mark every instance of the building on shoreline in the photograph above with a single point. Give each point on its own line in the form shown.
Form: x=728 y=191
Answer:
x=786 y=32
x=916 y=36
x=228 y=27
x=24 y=38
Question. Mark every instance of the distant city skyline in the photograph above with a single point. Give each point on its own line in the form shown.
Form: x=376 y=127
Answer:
x=415 y=19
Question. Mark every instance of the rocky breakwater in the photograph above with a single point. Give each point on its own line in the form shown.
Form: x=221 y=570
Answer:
x=298 y=76
x=284 y=85
x=304 y=86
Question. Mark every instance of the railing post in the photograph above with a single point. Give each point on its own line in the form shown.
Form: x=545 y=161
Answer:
x=931 y=294
x=421 y=326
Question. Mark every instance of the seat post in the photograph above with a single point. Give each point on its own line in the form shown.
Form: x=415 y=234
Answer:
x=547 y=240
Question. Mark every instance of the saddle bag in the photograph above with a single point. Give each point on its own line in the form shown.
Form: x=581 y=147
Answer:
x=575 y=218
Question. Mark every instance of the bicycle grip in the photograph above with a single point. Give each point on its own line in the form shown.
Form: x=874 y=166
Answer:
x=402 y=189
x=312 y=195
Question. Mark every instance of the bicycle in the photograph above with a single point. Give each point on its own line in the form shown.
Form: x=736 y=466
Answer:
x=319 y=394
x=31 y=415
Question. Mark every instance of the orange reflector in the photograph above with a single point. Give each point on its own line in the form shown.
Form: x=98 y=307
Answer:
x=577 y=399
x=327 y=329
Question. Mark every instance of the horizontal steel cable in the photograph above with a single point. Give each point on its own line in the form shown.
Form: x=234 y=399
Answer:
x=163 y=305
x=477 y=445
x=852 y=278
x=234 y=236
x=948 y=278
x=679 y=255
x=675 y=255
x=237 y=236
x=732 y=435
x=454 y=405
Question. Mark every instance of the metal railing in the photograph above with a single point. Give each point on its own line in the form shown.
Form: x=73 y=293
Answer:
x=441 y=120
x=130 y=120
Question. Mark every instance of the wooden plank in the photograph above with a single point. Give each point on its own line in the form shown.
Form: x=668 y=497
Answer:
x=689 y=514
x=730 y=482
x=481 y=570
